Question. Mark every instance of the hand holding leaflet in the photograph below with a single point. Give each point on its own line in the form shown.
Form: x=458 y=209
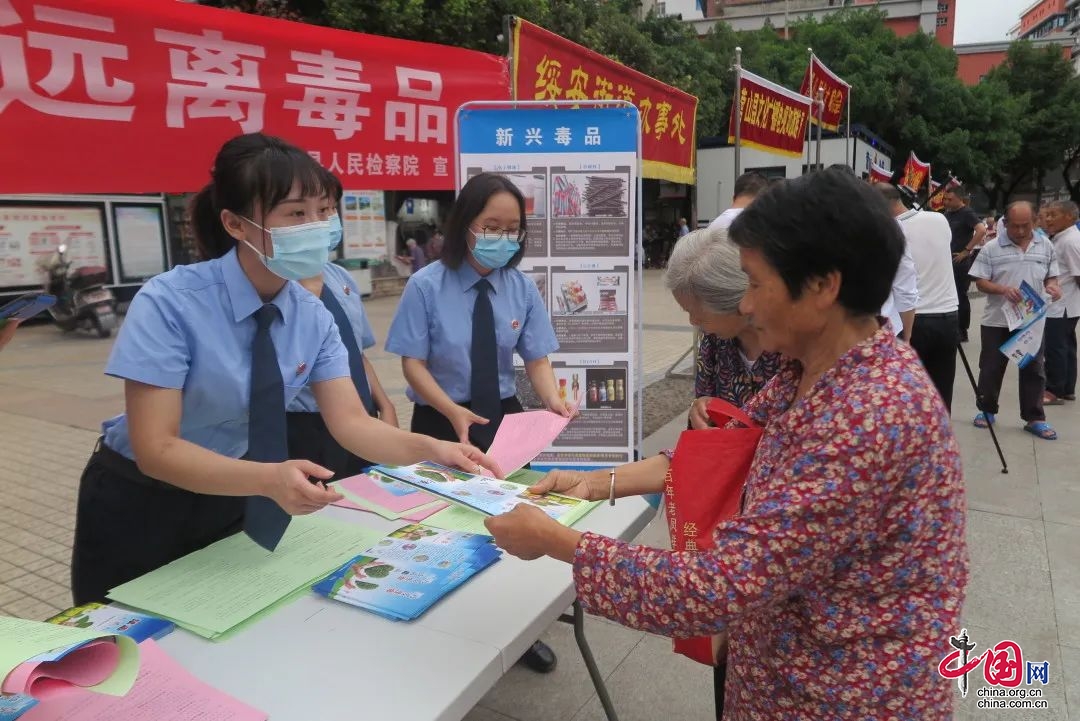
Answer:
x=523 y=436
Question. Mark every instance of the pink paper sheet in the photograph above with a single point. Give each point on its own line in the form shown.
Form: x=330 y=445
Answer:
x=85 y=666
x=163 y=690
x=522 y=436
x=421 y=515
x=375 y=491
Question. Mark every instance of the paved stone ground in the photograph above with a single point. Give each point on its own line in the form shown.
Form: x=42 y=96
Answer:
x=1023 y=528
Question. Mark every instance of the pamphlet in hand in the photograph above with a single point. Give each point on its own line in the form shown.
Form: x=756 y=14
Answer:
x=490 y=496
x=1031 y=307
x=409 y=571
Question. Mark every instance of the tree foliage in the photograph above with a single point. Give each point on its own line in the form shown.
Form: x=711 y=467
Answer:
x=1022 y=120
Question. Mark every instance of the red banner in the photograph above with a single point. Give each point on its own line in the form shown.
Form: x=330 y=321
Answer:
x=773 y=117
x=110 y=96
x=879 y=174
x=550 y=67
x=916 y=173
x=834 y=93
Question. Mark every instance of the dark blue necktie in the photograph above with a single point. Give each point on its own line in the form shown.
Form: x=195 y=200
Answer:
x=485 y=398
x=264 y=520
x=356 y=356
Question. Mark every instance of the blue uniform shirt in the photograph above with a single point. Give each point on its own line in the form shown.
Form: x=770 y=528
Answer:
x=192 y=328
x=337 y=279
x=434 y=324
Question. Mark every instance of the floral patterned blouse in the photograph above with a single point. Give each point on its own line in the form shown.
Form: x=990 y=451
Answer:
x=842 y=579
x=722 y=372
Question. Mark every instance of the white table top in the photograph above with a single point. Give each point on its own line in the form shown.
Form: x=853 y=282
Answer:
x=325 y=660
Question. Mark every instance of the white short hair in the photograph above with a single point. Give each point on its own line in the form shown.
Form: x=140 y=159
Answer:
x=704 y=264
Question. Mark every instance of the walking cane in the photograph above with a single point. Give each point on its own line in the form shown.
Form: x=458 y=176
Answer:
x=979 y=405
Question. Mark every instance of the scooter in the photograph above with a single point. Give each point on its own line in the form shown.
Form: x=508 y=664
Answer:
x=83 y=301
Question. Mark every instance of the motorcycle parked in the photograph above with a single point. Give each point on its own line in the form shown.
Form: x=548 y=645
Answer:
x=83 y=301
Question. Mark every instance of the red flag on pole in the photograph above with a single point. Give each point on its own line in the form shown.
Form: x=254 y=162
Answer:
x=916 y=173
x=879 y=174
x=773 y=117
x=834 y=90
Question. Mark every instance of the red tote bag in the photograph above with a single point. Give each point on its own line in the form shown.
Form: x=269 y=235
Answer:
x=704 y=487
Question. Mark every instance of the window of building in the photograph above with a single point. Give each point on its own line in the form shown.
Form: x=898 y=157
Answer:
x=943 y=7
x=942 y=22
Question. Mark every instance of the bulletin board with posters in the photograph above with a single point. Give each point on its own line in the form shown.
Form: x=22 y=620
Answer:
x=578 y=169
x=31 y=231
x=363 y=220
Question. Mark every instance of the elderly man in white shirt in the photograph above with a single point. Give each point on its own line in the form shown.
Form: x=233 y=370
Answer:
x=1063 y=314
x=1018 y=255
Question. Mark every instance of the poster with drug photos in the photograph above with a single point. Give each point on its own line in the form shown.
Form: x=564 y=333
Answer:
x=578 y=170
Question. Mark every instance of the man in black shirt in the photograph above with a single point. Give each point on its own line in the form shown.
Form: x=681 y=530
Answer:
x=967 y=233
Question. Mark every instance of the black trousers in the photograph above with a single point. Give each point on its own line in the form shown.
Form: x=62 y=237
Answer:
x=429 y=422
x=128 y=524
x=935 y=337
x=310 y=440
x=992 y=367
x=719 y=675
x=1061 y=356
x=963 y=283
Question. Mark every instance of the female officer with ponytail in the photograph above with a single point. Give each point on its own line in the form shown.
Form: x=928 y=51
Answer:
x=462 y=318
x=211 y=354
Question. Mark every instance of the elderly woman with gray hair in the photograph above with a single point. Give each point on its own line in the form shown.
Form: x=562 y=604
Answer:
x=703 y=274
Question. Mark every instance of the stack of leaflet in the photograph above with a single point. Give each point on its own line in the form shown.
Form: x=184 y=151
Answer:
x=391 y=499
x=93 y=617
x=221 y=588
x=140 y=681
x=409 y=571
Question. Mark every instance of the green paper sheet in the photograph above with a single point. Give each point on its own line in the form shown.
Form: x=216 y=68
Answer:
x=21 y=640
x=461 y=518
x=217 y=589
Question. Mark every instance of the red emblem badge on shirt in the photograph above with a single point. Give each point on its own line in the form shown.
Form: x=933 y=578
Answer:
x=515 y=324
x=347 y=290
x=301 y=368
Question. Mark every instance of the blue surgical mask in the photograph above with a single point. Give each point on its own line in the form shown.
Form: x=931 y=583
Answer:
x=495 y=252
x=300 y=251
x=335 y=231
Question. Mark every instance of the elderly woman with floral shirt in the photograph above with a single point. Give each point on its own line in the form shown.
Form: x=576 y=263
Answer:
x=703 y=274
x=841 y=579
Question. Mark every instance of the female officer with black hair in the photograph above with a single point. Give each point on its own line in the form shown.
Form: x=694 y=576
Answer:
x=211 y=354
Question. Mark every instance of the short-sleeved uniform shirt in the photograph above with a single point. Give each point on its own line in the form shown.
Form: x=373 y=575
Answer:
x=336 y=279
x=192 y=328
x=434 y=324
x=1003 y=262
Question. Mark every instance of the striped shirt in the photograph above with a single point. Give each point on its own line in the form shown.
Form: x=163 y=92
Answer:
x=1004 y=263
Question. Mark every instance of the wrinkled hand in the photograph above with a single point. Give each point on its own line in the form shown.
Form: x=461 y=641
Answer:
x=525 y=532
x=568 y=483
x=7 y=331
x=1014 y=295
x=461 y=418
x=468 y=458
x=1054 y=291
x=292 y=490
x=699 y=419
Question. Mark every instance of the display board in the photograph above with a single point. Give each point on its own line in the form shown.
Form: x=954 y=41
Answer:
x=140 y=241
x=363 y=220
x=30 y=233
x=578 y=169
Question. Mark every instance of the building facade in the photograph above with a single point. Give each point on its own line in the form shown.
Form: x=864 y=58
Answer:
x=1043 y=19
x=935 y=17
